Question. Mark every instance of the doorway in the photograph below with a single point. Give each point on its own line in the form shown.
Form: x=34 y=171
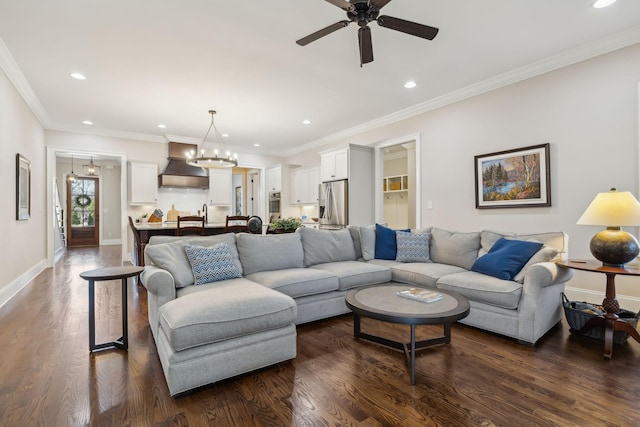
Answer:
x=83 y=209
x=398 y=183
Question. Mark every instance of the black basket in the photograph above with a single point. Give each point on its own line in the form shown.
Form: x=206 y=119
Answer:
x=577 y=317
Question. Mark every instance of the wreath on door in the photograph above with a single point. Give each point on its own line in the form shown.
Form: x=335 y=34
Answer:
x=83 y=200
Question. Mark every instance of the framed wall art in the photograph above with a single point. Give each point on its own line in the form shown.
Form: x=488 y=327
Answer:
x=517 y=178
x=23 y=188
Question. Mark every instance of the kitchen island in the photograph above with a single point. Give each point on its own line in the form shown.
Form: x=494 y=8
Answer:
x=144 y=230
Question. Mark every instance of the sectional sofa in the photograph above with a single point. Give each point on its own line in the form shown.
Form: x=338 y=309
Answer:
x=220 y=306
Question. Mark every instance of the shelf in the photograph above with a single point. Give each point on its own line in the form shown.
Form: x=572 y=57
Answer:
x=395 y=184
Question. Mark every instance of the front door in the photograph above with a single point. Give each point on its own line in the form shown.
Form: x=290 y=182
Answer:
x=82 y=212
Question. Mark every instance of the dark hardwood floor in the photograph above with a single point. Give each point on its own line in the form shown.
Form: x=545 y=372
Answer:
x=49 y=378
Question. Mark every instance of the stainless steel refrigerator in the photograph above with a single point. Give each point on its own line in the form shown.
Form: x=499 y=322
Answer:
x=333 y=200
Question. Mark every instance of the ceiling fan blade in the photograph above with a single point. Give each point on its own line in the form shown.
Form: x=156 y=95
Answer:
x=323 y=32
x=379 y=3
x=342 y=4
x=366 y=47
x=408 y=27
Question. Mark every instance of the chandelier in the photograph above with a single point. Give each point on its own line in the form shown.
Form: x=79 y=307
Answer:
x=91 y=169
x=219 y=159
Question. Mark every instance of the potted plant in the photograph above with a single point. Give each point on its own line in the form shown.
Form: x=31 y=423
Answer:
x=285 y=225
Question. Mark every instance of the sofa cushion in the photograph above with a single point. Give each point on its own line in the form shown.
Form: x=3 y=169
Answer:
x=352 y=274
x=269 y=252
x=482 y=288
x=297 y=282
x=422 y=274
x=224 y=310
x=355 y=236
x=506 y=258
x=322 y=246
x=556 y=239
x=454 y=248
x=211 y=264
x=171 y=257
x=412 y=247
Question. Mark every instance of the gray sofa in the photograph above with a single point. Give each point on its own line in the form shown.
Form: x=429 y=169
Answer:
x=211 y=331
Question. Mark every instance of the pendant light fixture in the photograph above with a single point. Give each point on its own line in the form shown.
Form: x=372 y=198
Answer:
x=72 y=176
x=91 y=169
x=221 y=157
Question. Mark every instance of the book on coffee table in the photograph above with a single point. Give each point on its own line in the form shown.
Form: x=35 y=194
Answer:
x=422 y=295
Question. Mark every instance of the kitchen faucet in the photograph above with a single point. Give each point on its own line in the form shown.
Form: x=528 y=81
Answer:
x=206 y=215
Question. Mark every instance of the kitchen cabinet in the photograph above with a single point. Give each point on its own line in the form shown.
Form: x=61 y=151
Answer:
x=334 y=165
x=220 y=187
x=304 y=185
x=274 y=179
x=143 y=183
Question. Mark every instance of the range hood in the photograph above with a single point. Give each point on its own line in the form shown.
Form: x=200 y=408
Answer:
x=178 y=174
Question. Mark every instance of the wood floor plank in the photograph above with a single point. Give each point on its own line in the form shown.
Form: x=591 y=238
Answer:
x=48 y=377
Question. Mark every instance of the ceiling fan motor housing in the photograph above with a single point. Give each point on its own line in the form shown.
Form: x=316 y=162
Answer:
x=363 y=12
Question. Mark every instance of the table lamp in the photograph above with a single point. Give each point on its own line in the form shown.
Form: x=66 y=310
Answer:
x=613 y=209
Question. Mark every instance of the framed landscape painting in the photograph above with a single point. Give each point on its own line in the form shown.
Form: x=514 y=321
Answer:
x=23 y=187
x=517 y=178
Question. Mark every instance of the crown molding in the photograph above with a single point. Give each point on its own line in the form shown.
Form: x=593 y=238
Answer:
x=561 y=60
x=110 y=133
x=16 y=77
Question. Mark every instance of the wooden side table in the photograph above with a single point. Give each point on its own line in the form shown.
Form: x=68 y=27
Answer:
x=110 y=273
x=610 y=320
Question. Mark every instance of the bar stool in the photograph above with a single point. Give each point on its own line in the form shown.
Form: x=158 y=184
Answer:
x=110 y=273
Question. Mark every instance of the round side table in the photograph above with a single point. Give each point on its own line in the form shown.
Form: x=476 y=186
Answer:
x=110 y=273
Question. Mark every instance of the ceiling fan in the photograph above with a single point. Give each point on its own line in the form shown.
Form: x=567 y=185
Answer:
x=363 y=12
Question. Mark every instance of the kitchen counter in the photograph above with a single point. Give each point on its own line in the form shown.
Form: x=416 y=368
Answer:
x=145 y=230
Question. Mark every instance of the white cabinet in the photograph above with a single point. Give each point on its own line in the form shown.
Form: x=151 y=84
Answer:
x=143 y=183
x=304 y=185
x=395 y=183
x=220 y=187
x=334 y=165
x=274 y=179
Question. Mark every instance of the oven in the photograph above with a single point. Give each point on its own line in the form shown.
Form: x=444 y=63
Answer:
x=274 y=205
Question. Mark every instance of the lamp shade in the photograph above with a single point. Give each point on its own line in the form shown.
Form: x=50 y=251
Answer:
x=612 y=209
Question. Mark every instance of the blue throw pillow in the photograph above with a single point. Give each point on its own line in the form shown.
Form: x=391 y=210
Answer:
x=211 y=264
x=386 y=247
x=412 y=247
x=506 y=258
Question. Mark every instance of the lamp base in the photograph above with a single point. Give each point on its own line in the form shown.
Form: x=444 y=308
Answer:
x=614 y=247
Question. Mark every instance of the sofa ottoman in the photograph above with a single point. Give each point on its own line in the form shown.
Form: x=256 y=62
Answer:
x=224 y=329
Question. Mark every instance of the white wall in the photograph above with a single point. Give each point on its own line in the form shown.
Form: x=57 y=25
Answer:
x=24 y=242
x=588 y=112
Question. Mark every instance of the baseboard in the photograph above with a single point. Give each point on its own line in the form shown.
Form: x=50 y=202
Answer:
x=58 y=254
x=21 y=281
x=578 y=294
x=109 y=242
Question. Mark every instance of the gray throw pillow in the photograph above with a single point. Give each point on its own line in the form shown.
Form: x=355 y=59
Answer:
x=545 y=254
x=412 y=247
x=368 y=242
x=453 y=248
x=322 y=246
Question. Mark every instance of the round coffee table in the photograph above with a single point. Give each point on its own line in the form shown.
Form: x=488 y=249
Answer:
x=382 y=303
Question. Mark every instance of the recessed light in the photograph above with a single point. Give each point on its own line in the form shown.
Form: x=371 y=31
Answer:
x=225 y=135
x=161 y=126
x=306 y=122
x=78 y=76
x=88 y=122
x=599 y=4
x=256 y=145
x=410 y=84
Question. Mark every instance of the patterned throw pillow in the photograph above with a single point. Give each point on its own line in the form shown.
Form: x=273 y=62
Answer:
x=211 y=264
x=413 y=247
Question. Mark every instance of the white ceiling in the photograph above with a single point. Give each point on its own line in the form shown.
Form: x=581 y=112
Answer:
x=165 y=61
